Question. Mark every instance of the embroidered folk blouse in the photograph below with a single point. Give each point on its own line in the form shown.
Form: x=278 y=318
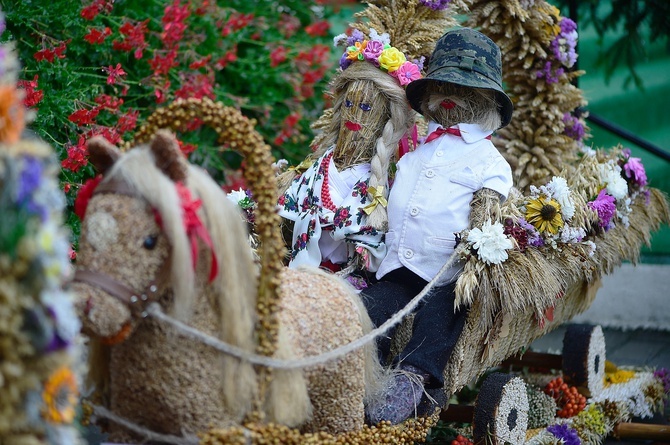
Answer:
x=326 y=206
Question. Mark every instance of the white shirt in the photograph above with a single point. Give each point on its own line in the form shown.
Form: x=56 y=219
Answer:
x=430 y=199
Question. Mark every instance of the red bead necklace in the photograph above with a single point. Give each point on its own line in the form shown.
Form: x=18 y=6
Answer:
x=325 y=188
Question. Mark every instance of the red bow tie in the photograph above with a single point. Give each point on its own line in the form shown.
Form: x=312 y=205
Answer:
x=440 y=131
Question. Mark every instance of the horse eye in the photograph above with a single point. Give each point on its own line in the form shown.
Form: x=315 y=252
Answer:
x=150 y=242
x=365 y=107
x=348 y=103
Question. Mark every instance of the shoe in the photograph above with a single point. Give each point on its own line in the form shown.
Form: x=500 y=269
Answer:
x=401 y=399
x=433 y=399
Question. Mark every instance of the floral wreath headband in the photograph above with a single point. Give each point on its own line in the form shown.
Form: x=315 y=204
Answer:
x=378 y=51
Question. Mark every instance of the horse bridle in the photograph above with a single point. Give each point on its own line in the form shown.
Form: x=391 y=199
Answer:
x=136 y=301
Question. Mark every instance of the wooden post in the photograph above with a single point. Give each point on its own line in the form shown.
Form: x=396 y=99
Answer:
x=643 y=431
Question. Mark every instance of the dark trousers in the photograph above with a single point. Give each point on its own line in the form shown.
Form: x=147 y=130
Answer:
x=436 y=326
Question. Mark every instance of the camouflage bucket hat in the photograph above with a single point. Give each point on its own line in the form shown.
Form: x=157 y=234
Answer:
x=465 y=57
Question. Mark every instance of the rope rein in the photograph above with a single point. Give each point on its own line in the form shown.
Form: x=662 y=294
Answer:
x=154 y=310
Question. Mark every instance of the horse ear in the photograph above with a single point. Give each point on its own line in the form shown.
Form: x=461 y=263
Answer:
x=102 y=154
x=169 y=158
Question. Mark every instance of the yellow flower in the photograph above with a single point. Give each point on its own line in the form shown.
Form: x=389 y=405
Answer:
x=551 y=27
x=544 y=214
x=391 y=59
x=619 y=376
x=60 y=396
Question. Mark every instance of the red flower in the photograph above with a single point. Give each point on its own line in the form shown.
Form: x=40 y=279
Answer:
x=174 y=23
x=162 y=64
x=108 y=102
x=76 y=156
x=114 y=73
x=161 y=92
x=203 y=8
x=128 y=121
x=84 y=196
x=230 y=56
x=96 y=36
x=50 y=54
x=200 y=63
x=187 y=149
x=91 y=11
x=292 y=119
x=288 y=25
x=277 y=56
x=236 y=22
x=134 y=38
x=32 y=96
x=45 y=54
x=84 y=117
x=318 y=29
x=197 y=86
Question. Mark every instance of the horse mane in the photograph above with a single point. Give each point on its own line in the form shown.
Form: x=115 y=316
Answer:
x=234 y=288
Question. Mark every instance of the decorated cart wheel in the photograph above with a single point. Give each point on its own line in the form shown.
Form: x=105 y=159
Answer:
x=584 y=358
x=501 y=411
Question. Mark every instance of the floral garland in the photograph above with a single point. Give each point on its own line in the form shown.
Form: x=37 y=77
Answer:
x=378 y=51
x=545 y=217
x=38 y=323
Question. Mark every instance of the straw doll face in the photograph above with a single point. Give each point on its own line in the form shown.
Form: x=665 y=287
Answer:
x=449 y=104
x=363 y=113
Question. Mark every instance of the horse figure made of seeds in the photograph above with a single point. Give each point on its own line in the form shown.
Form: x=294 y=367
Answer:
x=158 y=229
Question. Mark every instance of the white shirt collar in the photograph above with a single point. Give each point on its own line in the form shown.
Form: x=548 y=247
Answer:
x=469 y=132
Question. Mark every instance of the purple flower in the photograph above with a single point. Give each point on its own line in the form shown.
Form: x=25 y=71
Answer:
x=435 y=5
x=567 y=435
x=664 y=376
x=634 y=171
x=550 y=75
x=30 y=178
x=356 y=36
x=372 y=51
x=419 y=62
x=567 y=25
x=573 y=127
x=345 y=61
x=534 y=237
x=605 y=206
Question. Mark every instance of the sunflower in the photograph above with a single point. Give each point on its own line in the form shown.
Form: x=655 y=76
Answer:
x=60 y=396
x=544 y=214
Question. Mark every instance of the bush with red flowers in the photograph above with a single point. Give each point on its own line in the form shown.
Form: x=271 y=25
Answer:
x=102 y=66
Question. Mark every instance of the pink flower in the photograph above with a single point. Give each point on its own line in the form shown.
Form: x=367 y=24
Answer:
x=407 y=73
x=372 y=51
x=634 y=171
x=114 y=73
x=605 y=206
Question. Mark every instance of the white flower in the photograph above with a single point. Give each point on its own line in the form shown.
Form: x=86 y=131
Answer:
x=338 y=39
x=572 y=234
x=561 y=193
x=62 y=307
x=384 y=38
x=236 y=196
x=591 y=247
x=616 y=185
x=280 y=165
x=491 y=242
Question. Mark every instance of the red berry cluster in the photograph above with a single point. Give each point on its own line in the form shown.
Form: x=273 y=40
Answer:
x=461 y=440
x=568 y=399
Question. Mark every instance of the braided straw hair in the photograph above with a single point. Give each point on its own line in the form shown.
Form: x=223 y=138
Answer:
x=392 y=126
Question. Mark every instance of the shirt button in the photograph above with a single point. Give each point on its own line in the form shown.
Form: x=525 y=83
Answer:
x=430 y=173
x=409 y=253
x=438 y=153
x=414 y=211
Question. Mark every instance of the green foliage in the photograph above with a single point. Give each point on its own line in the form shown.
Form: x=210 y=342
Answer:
x=636 y=23
x=269 y=59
